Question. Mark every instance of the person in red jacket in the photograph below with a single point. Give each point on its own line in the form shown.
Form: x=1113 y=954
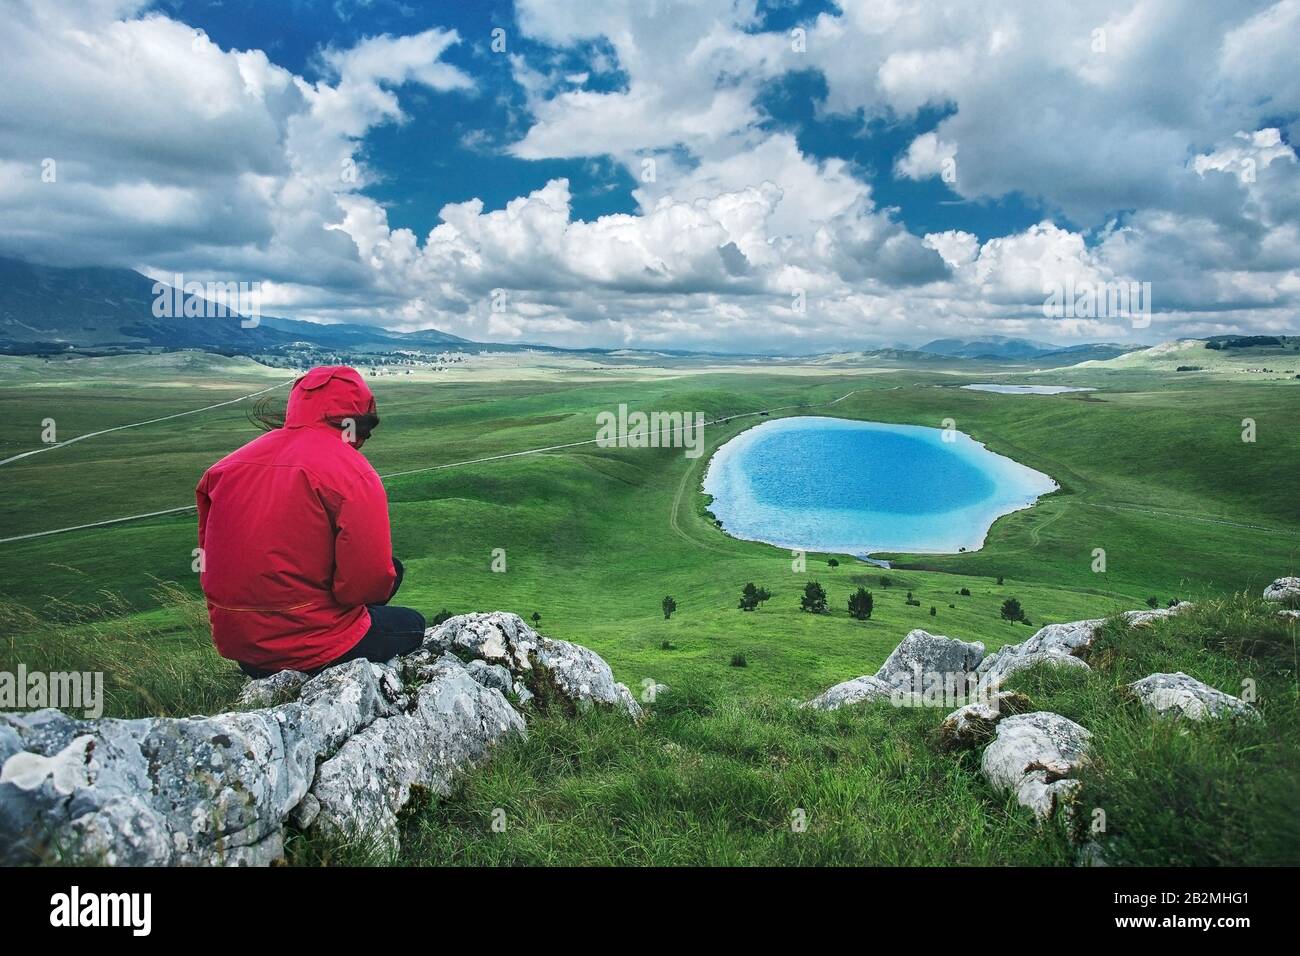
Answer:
x=295 y=552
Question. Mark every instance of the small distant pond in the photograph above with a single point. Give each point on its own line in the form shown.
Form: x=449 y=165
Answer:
x=1027 y=389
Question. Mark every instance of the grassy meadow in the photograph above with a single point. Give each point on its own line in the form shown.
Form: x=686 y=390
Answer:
x=1152 y=468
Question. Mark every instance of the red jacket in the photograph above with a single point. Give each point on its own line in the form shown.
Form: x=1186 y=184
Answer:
x=293 y=532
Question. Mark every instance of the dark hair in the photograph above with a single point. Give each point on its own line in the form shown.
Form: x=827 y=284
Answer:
x=264 y=416
x=268 y=418
x=363 y=424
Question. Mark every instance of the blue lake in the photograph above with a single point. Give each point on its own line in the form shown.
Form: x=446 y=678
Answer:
x=831 y=484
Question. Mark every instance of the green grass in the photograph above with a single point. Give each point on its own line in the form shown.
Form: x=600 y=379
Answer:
x=595 y=538
x=1152 y=469
x=709 y=780
x=157 y=663
x=719 y=778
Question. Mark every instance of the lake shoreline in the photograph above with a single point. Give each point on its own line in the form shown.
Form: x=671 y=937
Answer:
x=908 y=489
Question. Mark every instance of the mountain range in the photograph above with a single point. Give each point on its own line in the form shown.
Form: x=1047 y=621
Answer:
x=1002 y=347
x=45 y=308
x=48 y=309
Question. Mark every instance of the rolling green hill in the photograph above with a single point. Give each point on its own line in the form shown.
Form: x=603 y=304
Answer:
x=1152 y=469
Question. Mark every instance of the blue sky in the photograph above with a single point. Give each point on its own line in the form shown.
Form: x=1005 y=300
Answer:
x=724 y=174
x=426 y=162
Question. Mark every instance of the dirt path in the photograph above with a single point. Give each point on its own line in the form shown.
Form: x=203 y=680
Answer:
x=151 y=421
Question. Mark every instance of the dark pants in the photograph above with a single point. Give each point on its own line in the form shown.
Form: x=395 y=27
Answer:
x=393 y=631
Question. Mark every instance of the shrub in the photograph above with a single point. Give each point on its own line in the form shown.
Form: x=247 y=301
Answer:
x=669 y=605
x=738 y=660
x=965 y=592
x=860 y=604
x=814 y=599
x=751 y=597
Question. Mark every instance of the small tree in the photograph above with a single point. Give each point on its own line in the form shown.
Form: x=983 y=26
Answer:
x=537 y=619
x=885 y=582
x=1153 y=601
x=834 y=563
x=999 y=579
x=964 y=592
x=860 y=604
x=1012 y=611
x=751 y=597
x=933 y=611
x=814 y=599
x=669 y=605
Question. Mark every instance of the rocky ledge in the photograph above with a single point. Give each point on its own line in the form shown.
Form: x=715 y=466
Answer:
x=1034 y=755
x=341 y=752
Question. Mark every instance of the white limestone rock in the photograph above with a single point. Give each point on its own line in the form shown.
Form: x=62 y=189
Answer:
x=552 y=671
x=921 y=653
x=164 y=791
x=451 y=725
x=1180 y=695
x=1285 y=591
x=853 y=691
x=1035 y=756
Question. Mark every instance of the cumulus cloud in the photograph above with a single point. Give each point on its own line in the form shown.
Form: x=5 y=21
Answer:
x=1156 y=145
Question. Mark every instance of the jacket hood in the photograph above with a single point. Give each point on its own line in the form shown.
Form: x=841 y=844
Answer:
x=328 y=391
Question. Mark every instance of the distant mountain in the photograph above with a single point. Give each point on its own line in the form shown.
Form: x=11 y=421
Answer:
x=1007 y=348
x=987 y=346
x=46 y=309
x=53 y=309
x=364 y=336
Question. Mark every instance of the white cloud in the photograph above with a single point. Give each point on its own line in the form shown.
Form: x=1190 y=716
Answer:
x=1152 y=127
x=927 y=155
